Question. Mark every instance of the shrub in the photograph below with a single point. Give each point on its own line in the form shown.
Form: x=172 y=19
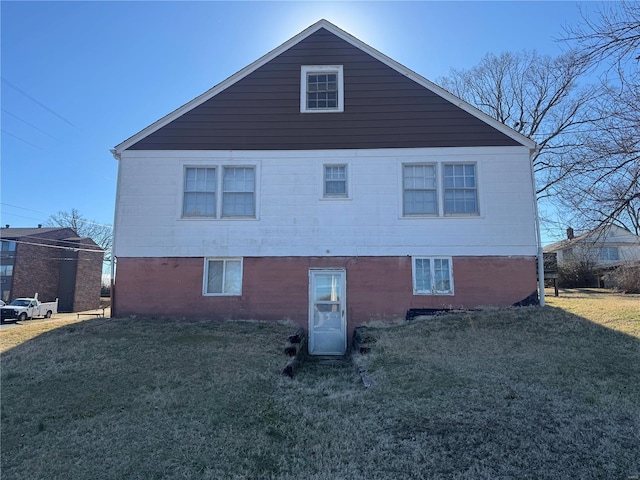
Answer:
x=577 y=273
x=625 y=278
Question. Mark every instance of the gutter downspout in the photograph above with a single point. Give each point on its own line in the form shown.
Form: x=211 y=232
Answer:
x=538 y=235
x=114 y=308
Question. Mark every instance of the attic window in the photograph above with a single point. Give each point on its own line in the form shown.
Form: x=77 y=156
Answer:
x=321 y=88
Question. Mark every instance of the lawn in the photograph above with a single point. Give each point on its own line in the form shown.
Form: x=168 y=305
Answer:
x=539 y=393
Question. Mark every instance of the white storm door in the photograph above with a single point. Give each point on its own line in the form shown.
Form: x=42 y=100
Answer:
x=327 y=312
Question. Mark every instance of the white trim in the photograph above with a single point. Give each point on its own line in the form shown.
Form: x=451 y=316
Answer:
x=219 y=164
x=347 y=195
x=518 y=137
x=343 y=305
x=307 y=69
x=436 y=167
x=205 y=275
x=477 y=189
x=433 y=291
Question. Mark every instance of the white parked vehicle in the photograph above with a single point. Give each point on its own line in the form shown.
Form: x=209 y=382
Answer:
x=25 y=308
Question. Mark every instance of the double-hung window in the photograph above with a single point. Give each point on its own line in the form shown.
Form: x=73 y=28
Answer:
x=335 y=181
x=199 y=192
x=432 y=276
x=460 y=189
x=419 y=190
x=222 y=276
x=238 y=192
x=219 y=192
x=321 y=88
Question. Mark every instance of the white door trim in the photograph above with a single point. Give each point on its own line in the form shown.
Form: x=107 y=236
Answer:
x=328 y=316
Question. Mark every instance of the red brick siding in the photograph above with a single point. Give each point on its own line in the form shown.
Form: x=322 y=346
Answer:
x=88 y=278
x=36 y=270
x=277 y=288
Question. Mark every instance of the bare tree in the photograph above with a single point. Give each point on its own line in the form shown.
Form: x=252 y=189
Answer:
x=99 y=233
x=538 y=96
x=608 y=189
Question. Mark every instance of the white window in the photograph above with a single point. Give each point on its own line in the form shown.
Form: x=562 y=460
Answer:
x=335 y=181
x=419 y=196
x=432 y=276
x=208 y=194
x=608 y=254
x=222 y=276
x=238 y=192
x=321 y=88
x=460 y=188
x=199 y=192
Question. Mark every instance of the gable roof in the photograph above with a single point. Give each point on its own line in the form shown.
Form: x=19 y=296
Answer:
x=50 y=236
x=487 y=130
x=15 y=233
x=600 y=235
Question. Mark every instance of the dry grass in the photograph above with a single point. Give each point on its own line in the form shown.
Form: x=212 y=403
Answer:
x=504 y=393
x=613 y=310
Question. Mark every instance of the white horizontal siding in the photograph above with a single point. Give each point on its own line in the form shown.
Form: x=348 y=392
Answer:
x=294 y=220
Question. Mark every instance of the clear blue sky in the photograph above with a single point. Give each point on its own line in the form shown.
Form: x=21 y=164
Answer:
x=80 y=77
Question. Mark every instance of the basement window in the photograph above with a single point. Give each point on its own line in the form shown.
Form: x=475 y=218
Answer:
x=321 y=88
x=222 y=276
x=432 y=276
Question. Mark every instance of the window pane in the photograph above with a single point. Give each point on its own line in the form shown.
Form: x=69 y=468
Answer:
x=423 y=275
x=441 y=275
x=238 y=198
x=238 y=179
x=327 y=288
x=418 y=202
x=232 y=277
x=214 y=276
x=335 y=183
x=336 y=188
x=199 y=204
x=419 y=190
x=322 y=90
x=6 y=270
x=460 y=195
x=238 y=204
x=199 y=192
x=8 y=246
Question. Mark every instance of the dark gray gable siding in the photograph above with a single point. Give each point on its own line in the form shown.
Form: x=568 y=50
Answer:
x=382 y=109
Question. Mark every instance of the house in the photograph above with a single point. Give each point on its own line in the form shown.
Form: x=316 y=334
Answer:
x=601 y=250
x=52 y=262
x=327 y=184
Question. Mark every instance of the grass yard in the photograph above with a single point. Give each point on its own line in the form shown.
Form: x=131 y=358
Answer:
x=526 y=393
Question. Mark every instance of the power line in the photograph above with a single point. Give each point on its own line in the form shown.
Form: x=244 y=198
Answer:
x=7 y=82
x=61 y=247
x=27 y=123
x=23 y=140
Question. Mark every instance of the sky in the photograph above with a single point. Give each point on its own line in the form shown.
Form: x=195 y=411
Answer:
x=79 y=77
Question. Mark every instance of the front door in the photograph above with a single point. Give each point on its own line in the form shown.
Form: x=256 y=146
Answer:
x=327 y=312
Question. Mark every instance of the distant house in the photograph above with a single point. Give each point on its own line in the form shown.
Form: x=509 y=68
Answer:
x=606 y=247
x=602 y=249
x=328 y=184
x=52 y=262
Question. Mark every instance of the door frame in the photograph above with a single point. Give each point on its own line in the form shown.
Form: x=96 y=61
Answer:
x=343 y=304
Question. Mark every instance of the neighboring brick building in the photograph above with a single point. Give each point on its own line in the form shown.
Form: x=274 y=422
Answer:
x=52 y=262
